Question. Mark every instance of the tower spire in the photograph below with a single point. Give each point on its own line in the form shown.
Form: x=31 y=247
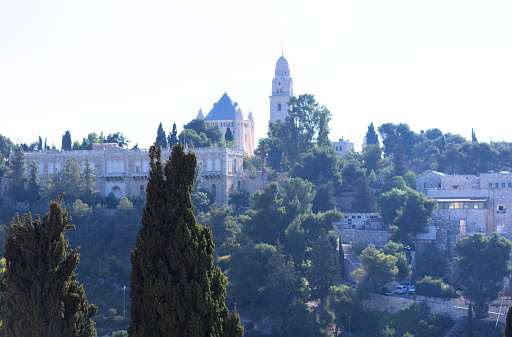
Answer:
x=282 y=49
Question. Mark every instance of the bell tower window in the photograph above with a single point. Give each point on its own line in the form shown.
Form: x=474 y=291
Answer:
x=279 y=107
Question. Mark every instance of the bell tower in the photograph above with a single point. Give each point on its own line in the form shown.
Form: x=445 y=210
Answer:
x=282 y=90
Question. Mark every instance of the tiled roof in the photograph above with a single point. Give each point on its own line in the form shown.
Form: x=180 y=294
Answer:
x=224 y=109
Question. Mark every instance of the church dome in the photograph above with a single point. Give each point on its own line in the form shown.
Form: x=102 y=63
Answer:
x=224 y=110
x=282 y=63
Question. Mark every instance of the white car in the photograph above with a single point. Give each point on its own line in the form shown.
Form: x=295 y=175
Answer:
x=400 y=289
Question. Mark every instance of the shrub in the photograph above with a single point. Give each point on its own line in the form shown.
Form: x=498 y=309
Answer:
x=434 y=288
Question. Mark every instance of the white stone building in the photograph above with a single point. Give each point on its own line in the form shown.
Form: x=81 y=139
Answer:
x=282 y=91
x=469 y=204
x=125 y=173
x=227 y=114
x=343 y=146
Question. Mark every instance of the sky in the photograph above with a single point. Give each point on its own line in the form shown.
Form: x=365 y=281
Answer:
x=109 y=66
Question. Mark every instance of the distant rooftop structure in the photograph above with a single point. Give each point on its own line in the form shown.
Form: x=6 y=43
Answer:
x=224 y=109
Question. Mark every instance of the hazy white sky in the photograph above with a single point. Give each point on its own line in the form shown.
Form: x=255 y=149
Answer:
x=107 y=66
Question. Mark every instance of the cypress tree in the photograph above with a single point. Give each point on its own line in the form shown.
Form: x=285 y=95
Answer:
x=44 y=297
x=175 y=288
x=229 y=135
x=160 y=136
x=508 y=323
x=341 y=258
x=173 y=136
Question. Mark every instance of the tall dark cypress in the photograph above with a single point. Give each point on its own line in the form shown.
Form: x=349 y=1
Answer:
x=175 y=288
x=44 y=297
x=508 y=323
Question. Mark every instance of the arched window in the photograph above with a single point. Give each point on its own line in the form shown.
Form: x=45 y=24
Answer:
x=116 y=191
x=214 y=189
x=279 y=107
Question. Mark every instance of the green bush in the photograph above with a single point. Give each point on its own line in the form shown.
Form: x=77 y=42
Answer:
x=358 y=248
x=434 y=288
x=120 y=333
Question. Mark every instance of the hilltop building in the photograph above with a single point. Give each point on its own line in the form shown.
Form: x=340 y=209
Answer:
x=125 y=173
x=282 y=91
x=469 y=204
x=343 y=146
x=227 y=114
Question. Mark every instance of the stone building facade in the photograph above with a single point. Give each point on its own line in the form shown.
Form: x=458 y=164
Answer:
x=282 y=91
x=469 y=204
x=342 y=147
x=125 y=173
x=227 y=114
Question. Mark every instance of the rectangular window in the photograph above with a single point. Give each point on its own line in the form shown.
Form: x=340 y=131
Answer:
x=497 y=185
x=490 y=185
x=455 y=187
x=502 y=185
x=424 y=186
x=509 y=185
x=501 y=208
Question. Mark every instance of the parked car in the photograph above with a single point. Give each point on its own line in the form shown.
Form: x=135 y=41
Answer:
x=412 y=290
x=400 y=289
x=406 y=285
x=385 y=291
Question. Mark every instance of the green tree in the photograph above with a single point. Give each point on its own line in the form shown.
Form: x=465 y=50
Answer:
x=160 y=137
x=223 y=225
x=363 y=198
x=371 y=156
x=175 y=288
x=397 y=250
x=117 y=138
x=5 y=146
x=325 y=198
x=319 y=166
x=341 y=258
x=343 y=302
x=172 y=138
x=378 y=268
x=87 y=191
x=33 y=188
x=508 y=324
x=40 y=144
x=413 y=217
x=239 y=199
x=399 y=162
x=288 y=139
x=265 y=223
x=229 y=135
x=297 y=196
x=3 y=293
x=248 y=270
x=44 y=297
x=390 y=203
x=371 y=136
x=66 y=141
x=17 y=175
x=483 y=263
x=92 y=138
x=69 y=179
x=281 y=282
x=324 y=271
x=200 y=133
x=432 y=262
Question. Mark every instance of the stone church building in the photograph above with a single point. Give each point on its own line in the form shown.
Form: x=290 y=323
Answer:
x=227 y=114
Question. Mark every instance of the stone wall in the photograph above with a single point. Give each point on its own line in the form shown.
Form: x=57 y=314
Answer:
x=377 y=238
x=454 y=308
